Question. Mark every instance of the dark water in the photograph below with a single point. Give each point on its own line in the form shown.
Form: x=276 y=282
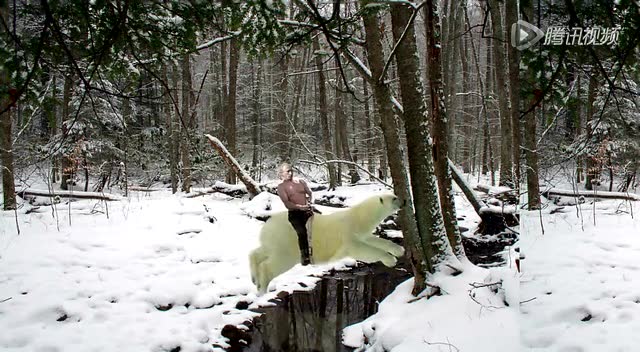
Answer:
x=309 y=321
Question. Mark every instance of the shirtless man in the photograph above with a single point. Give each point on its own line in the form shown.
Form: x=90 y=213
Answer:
x=296 y=196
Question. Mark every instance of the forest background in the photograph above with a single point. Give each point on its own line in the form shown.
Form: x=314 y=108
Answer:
x=115 y=94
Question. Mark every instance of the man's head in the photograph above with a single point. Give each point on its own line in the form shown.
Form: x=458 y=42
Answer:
x=286 y=171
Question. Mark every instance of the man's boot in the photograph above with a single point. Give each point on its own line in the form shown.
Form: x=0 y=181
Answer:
x=305 y=257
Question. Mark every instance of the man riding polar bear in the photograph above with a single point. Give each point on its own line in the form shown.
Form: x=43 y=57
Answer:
x=341 y=234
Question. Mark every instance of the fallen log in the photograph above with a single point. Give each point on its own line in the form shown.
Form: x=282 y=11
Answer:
x=494 y=219
x=466 y=188
x=590 y=194
x=67 y=194
x=232 y=163
x=235 y=191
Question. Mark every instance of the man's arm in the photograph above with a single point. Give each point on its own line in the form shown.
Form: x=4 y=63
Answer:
x=307 y=190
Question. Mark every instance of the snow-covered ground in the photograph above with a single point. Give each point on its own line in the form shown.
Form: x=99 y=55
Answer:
x=581 y=281
x=155 y=271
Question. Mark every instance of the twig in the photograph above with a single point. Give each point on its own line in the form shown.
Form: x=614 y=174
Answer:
x=442 y=343
x=529 y=300
x=6 y=299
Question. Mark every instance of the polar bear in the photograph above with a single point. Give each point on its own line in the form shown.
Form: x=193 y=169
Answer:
x=346 y=233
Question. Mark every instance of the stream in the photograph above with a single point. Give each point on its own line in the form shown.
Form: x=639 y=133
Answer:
x=312 y=321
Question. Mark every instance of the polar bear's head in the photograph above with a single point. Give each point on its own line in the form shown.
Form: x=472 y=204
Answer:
x=374 y=209
x=390 y=202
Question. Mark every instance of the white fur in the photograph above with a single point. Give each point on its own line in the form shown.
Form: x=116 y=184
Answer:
x=342 y=234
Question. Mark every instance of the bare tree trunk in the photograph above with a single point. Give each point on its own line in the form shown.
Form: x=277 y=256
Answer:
x=324 y=115
x=531 y=146
x=256 y=72
x=531 y=158
x=592 y=167
x=230 y=106
x=281 y=140
x=185 y=142
x=6 y=137
x=66 y=164
x=511 y=17
x=419 y=259
x=440 y=133
x=173 y=141
x=579 y=159
x=506 y=156
x=341 y=129
x=467 y=132
x=6 y=143
x=299 y=90
x=167 y=109
x=370 y=145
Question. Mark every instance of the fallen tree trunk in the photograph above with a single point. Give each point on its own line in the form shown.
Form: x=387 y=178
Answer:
x=590 y=194
x=232 y=163
x=219 y=187
x=68 y=194
x=494 y=219
x=466 y=188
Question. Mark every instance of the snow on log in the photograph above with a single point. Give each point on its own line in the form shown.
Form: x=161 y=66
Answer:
x=590 y=194
x=219 y=187
x=252 y=186
x=493 y=191
x=67 y=194
x=145 y=189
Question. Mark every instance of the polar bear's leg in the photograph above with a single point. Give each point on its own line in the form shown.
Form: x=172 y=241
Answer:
x=364 y=252
x=275 y=265
x=385 y=245
x=256 y=258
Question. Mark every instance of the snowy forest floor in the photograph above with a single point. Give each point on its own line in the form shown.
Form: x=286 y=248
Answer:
x=156 y=271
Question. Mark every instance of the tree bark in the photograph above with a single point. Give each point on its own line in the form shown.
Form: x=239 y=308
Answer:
x=592 y=165
x=531 y=145
x=591 y=194
x=419 y=258
x=281 y=139
x=173 y=127
x=341 y=129
x=370 y=146
x=230 y=106
x=323 y=112
x=68 y=194
x=6 y=143
x=256 y=68
x=511 y=17
x=499 y=58
x=66 y=165
x=467 y=114
x=6 y=137
x=440 y=134
x=186 y=127
x=252 y=187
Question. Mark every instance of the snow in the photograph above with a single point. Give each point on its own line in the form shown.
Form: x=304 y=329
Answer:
x=580 y=280
x=155 y=271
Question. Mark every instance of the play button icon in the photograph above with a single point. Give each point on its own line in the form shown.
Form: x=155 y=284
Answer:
x=524 y=35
